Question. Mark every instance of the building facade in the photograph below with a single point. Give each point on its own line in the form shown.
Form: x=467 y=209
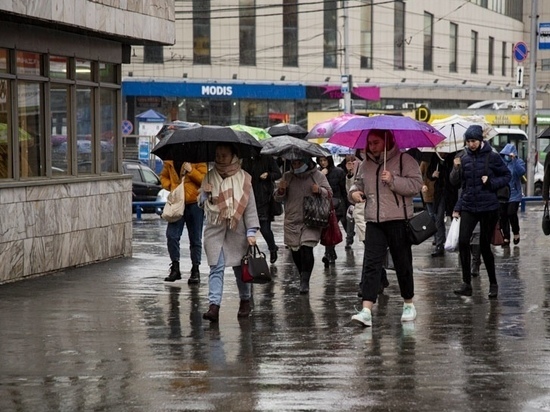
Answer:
x=63 y=199
x=444 y=55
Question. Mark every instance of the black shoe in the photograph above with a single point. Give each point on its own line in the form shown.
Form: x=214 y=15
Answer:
x=195 y=277
x=326 y=261
x=273 y=255
x=348 y=246
x=175 y=273
x=493 y=291
x=516 y=240
x=438 y=252
x=465 y=290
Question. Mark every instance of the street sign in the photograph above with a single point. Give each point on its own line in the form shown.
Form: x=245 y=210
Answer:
x=344 y=86
x=520 y=51
x=544 y=36
x=127 y=127
x=519 y=76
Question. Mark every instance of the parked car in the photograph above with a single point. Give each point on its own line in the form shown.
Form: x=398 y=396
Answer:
x=145 y=182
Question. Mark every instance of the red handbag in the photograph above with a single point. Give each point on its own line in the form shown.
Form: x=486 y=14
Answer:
x=498 y=237
x=331 y=235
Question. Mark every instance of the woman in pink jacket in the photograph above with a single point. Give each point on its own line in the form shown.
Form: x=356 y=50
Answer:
x=387 y=182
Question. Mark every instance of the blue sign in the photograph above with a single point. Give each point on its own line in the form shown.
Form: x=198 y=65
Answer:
x=544 y=36
x=213 y=90
x=127 y=127
x=520 y=51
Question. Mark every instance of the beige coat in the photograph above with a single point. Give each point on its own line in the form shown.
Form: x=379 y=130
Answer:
x=384 y=202
x=299 y=186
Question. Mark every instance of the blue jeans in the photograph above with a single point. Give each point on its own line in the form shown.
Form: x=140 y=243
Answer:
x=215 y=282
x=193 y=218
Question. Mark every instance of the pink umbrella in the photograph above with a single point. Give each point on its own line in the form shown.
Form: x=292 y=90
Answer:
x=408 y=133
x=326 y=128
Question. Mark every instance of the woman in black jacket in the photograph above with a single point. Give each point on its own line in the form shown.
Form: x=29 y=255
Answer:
x=337 y=180
x=264 y=172
x=482 y=173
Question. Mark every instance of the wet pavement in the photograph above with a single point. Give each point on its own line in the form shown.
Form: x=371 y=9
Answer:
x=114 y=337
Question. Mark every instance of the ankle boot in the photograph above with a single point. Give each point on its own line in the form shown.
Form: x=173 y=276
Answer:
x=175 y=273
x=244 y=309
x=273 y=255
x=304 y=282
x=476 y=260
x=213 y=313
x=195 y=275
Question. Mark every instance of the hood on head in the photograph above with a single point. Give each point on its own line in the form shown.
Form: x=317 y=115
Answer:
x=509 y=148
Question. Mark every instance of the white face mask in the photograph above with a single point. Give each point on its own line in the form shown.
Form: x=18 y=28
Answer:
x=301 y=169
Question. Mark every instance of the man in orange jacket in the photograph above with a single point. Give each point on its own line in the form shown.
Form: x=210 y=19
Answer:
x=193 y=217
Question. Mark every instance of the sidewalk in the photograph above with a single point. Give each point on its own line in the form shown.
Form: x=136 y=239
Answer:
x=114 y=337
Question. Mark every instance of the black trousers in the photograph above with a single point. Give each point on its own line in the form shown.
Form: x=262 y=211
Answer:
x=378 y=237
x=487 y=222
x=509 y=217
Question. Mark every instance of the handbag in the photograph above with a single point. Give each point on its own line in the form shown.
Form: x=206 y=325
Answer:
x=331 y=235
x=546 y=220
x=254 y=267
x=451 y=243
x=175 y=205
x=497 y=239
x=420 y=227
x=316 y=209
x=275 y=208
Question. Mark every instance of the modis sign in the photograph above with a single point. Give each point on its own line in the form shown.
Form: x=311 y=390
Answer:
x=216 y=90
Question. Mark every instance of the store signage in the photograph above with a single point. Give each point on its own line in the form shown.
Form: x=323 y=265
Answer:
x=544 y=36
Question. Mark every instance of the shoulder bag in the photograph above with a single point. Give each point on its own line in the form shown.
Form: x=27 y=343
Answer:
x=254 y=267
x=175 y=205
x=331 y=235
x=316 y=210
x=497 y=239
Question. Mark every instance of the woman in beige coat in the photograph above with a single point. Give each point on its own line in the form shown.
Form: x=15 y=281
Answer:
x=304 y=179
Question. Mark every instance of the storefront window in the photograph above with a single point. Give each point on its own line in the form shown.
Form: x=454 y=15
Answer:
x=83 y=70
x=107 y=103
x=4 y=62
x=59 y=67
x=28 y=63
x=107 y=73
x=254 y=112
x=60 y=143
x=30 y=133
x=84 y=130
x=5 y=141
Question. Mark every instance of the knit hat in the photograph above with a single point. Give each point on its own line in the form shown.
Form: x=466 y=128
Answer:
x=474 y=132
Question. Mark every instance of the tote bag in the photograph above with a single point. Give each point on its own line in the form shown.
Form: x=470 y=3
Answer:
x=175 y=205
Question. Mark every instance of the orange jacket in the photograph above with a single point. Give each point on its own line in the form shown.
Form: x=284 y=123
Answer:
x=170 y=179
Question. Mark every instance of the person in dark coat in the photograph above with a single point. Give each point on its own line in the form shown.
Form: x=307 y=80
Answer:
x=478 y=202
x=444 y=197
x=264 y=171
x=337 y=180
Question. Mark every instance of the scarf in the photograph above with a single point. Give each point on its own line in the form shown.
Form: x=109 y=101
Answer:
x=231 y=188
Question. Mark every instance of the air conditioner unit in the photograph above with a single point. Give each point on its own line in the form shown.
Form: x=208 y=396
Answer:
x=408 y=105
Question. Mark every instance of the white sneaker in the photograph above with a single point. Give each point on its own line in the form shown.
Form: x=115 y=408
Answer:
x=364 y=317
x=409 y=312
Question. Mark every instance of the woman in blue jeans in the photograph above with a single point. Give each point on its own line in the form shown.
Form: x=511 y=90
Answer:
x=231 y=225
x=482 y=173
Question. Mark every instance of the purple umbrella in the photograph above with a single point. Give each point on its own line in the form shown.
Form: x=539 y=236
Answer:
x=408 y=133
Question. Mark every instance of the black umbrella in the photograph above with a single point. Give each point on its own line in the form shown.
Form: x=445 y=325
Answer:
x=292 y=148
x=176 y=124
x=198 y=144
x=288 y=129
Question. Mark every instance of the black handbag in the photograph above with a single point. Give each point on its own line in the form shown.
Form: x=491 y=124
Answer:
x=316 y=210
x=254 y=267
x=546 y=220
x=275 y=208
x=420 y=227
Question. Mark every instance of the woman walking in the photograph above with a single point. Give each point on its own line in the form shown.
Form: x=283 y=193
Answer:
x=482 y=173
x=231 y=225
x=304 y=179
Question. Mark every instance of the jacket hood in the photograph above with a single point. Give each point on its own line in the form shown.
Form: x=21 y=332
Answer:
x=509 y=149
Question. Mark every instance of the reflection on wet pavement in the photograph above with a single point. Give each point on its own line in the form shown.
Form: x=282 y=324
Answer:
x=113 y=336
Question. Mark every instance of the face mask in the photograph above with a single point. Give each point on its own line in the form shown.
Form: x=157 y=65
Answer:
x=301 y=169
x=507 y=158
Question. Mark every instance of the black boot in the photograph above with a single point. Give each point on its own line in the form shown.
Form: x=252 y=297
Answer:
x=273 y=255
x=175 y=273
x=304 y=282
x=244 y=309
x=195 y=275
x=476 y=260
